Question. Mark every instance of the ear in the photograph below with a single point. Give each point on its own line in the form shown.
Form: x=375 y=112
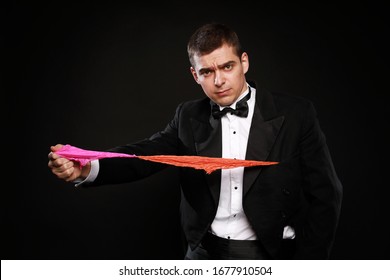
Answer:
x=245 y=62
x=193 y=72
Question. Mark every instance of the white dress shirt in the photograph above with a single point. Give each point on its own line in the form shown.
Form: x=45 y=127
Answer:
x=230 y=221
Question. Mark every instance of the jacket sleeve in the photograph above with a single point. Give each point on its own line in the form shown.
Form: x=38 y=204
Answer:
x=123 y=170
x=322 y=190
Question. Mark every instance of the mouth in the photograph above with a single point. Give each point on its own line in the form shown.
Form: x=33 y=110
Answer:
x=222 y=93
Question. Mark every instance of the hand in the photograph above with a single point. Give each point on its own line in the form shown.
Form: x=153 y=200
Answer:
x=65 y=169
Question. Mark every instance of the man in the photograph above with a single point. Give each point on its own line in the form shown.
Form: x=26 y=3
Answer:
x=288 y=210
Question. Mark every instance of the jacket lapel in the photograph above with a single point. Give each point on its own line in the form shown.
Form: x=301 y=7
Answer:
x=208 y=136
x=264 y=130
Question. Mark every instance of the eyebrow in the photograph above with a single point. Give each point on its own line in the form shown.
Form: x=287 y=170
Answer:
x=231 y=62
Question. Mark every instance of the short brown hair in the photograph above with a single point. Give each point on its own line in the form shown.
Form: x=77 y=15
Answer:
x=211 y=36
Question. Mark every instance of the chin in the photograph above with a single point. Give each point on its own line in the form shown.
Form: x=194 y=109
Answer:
x=223 y=101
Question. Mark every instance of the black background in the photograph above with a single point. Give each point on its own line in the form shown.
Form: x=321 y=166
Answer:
x=86 y=75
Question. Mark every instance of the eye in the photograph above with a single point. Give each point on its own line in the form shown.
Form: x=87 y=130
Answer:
x=206 y=73
x=228 y=67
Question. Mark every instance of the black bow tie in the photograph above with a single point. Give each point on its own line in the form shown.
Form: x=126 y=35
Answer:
x=241 y=108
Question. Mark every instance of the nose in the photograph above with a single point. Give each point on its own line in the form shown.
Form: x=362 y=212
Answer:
x=218 y=79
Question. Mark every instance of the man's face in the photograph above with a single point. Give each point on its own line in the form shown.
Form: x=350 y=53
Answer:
x=221 y=74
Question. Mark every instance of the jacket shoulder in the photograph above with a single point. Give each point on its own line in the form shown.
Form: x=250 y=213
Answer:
x=195 y=108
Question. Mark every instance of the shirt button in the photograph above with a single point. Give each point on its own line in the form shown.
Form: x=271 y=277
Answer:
x=234 y=215
x=234 y=132
x=235 y=188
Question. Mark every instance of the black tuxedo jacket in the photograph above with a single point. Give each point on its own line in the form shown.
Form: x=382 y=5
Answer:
x=302 y=191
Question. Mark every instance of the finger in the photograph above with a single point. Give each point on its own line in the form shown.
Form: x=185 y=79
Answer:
x=63 y=170
x=53 y=156
x=62 y=163
x=56 y=147
x=67 y=174
x=53 y=149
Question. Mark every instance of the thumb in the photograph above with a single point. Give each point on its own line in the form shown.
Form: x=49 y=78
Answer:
x=56 y=147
